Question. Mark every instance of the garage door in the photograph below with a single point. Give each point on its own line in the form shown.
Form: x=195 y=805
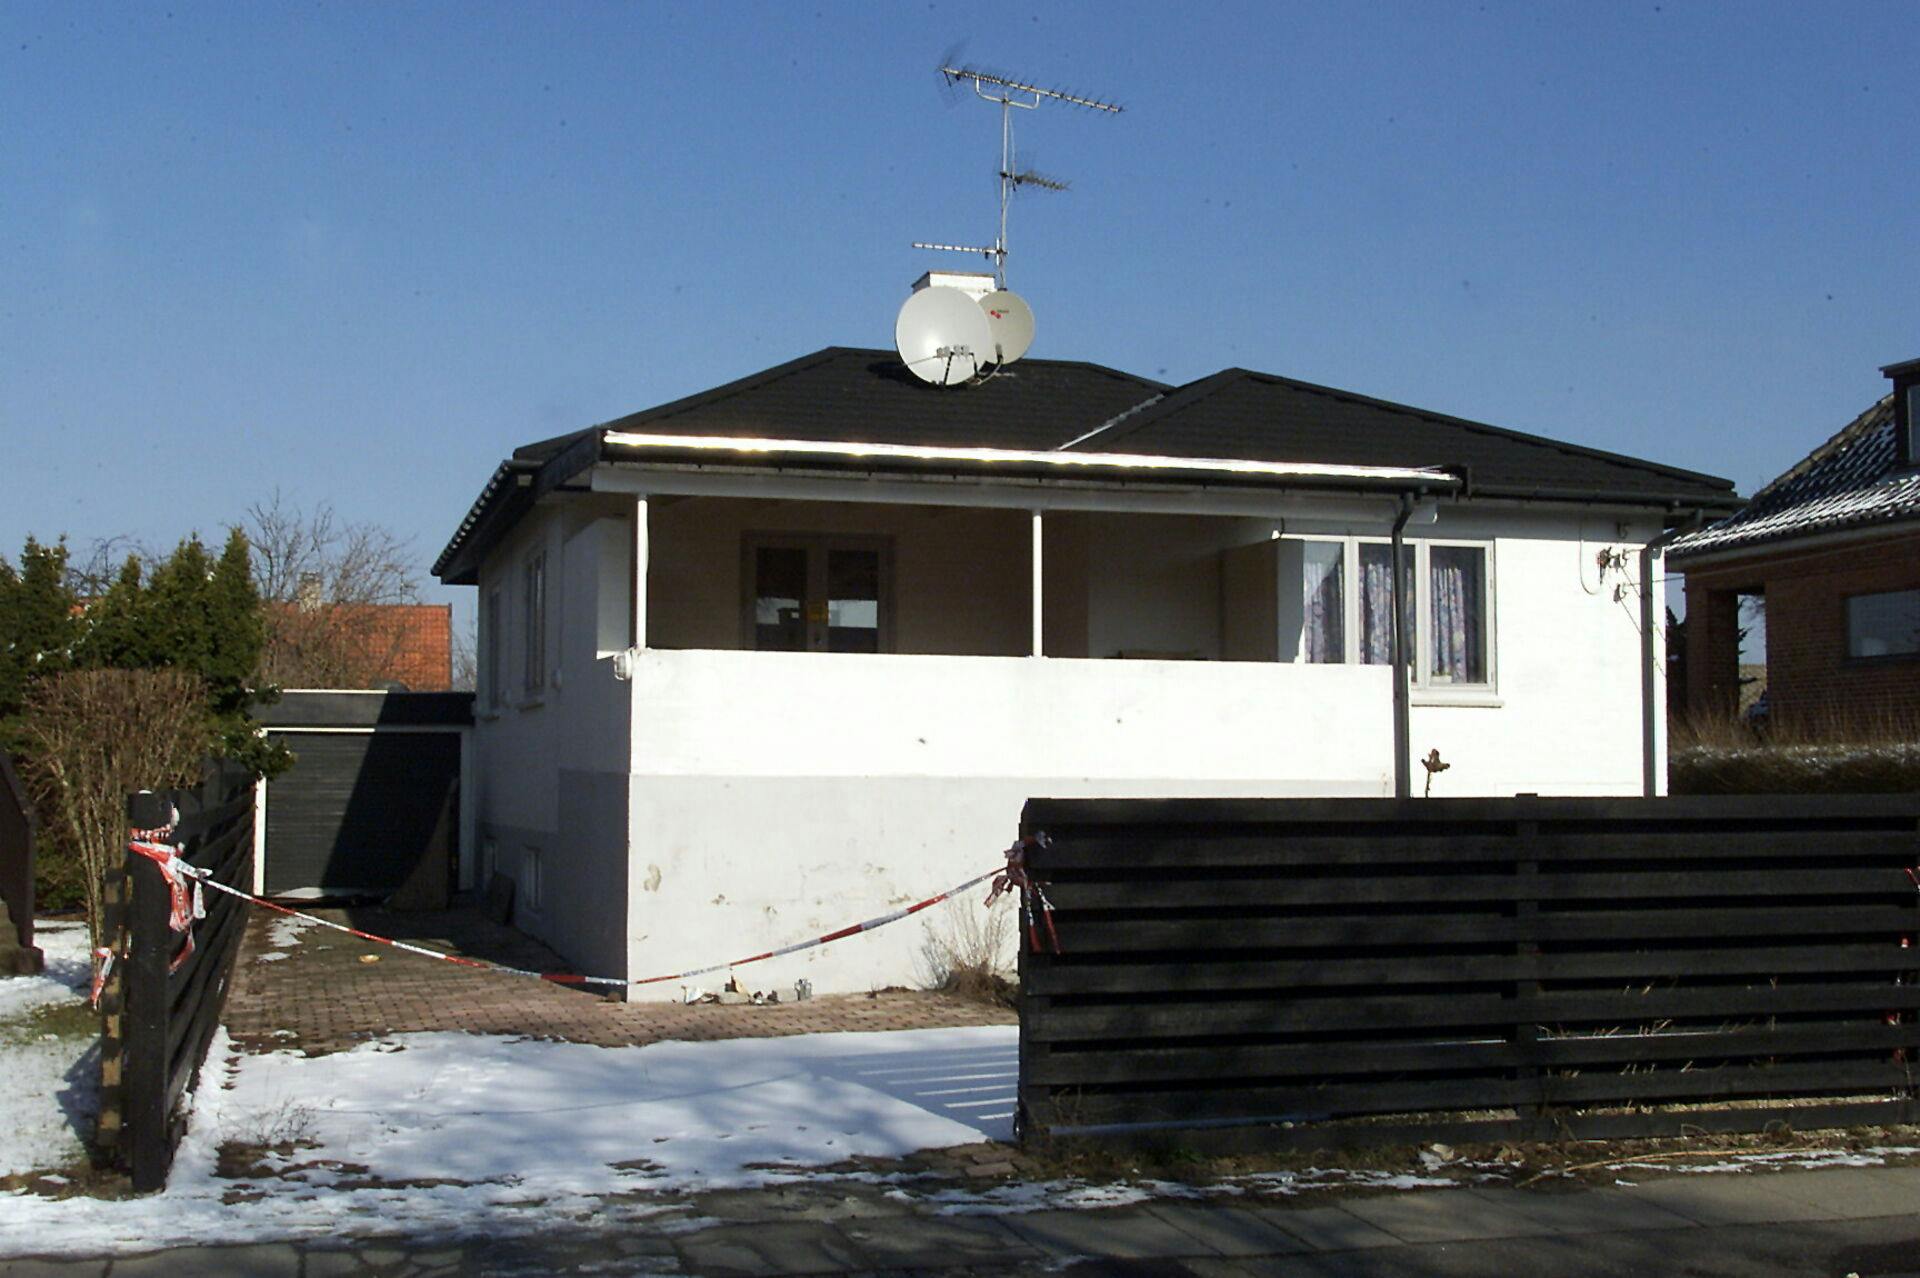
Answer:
x=360 y=810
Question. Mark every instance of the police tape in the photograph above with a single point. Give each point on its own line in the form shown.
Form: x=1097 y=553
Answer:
x=186 y=906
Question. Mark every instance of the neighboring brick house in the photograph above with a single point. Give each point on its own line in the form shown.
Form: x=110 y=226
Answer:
x=361 y=646
x=1834 y=546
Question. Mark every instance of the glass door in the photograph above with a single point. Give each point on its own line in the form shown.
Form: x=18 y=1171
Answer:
x=818 y=594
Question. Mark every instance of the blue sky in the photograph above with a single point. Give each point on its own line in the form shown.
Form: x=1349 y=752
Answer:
x=359 y=252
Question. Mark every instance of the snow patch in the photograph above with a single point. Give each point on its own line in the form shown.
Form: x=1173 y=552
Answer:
x=69 y=969
x=519 y=1122
x=284 y=933
x=51 y=1094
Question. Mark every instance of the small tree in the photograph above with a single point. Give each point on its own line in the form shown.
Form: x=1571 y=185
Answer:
x=324 y=583
x=38 y=622
x=94 y=736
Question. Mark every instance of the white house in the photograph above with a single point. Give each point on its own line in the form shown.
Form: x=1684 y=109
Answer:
x=765 y=661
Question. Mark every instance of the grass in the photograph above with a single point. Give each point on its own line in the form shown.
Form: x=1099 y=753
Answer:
x=1864 y=755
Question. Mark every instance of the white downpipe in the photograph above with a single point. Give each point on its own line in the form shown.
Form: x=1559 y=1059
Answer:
x=1038 y=576
x=640 y=552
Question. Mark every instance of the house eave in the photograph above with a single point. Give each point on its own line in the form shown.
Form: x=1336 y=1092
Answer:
x=1793 y=543
x=1116 y=468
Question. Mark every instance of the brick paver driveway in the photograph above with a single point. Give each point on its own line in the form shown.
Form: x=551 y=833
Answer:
x=332 y=991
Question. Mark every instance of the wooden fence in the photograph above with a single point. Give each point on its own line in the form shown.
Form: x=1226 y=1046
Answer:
x=1319 y=973
x=18 y=954
x=157 y=1023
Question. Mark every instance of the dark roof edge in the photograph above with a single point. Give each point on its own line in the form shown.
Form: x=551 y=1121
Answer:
x=504 y=500
x=1673 y=501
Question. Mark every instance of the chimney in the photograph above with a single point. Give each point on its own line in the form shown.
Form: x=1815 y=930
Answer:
x=1906 y=411
x=307 y=596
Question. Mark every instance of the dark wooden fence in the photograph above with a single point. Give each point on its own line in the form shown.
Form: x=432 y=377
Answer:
x=157 y=1023
x=1318 y=973
x=18 y=954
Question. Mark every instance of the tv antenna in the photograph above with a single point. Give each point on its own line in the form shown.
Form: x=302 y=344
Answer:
x=1007 y=95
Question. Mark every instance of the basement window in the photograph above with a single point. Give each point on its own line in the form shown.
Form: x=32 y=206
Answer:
x=1884 y=625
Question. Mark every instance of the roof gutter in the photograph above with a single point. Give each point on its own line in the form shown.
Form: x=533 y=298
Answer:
x=731 y=450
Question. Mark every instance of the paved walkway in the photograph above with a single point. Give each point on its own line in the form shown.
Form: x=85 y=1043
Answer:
x=1830 y=1223
x=333 y=991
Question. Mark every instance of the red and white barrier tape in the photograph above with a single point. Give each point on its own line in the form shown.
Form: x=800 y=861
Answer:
x=176 y=869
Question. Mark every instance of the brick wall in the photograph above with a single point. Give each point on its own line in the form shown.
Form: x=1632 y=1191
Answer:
x=1811 y=682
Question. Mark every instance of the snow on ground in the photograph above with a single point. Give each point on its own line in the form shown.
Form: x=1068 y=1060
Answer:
x=513 y=1123
x=282 y=935
x=51 y=1091
x=68 y=969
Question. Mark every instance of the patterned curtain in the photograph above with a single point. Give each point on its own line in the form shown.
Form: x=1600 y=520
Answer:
x=1326 y=619
x=1459 y=614
x=1376 y=603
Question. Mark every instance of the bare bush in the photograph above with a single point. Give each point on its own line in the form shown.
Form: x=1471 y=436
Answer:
x=94 y=736
x=325 y=584
x=964 y=953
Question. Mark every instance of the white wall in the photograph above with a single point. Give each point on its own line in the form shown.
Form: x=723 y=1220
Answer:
x=552 y=765
x=778 y=796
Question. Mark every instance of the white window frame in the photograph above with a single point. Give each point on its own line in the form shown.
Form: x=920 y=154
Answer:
x=1426 y=692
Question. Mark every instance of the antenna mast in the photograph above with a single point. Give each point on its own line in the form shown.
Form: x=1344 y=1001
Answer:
x=1007 y=95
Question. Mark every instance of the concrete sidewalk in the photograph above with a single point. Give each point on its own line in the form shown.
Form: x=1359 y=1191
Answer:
x=1836 y=1222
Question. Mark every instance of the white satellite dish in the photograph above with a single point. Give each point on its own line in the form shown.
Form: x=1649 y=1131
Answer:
x=1010 y=320
x=943 y=336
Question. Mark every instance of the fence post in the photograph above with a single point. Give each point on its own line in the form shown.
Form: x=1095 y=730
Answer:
x=144 y=1147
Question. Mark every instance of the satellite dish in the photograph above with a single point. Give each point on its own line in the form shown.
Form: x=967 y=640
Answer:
x=943 y=336
x=1010 y=320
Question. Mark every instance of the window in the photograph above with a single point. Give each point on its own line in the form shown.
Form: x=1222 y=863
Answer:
x=493 y=639
x=1884 y=625
x=1324 y=630
x=534 y=617
x=818 y=594
x=1446 y=613
x=530 y=877
x=1376 y=602
x=1456 y=646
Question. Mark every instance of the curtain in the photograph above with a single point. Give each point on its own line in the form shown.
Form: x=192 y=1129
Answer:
x=1459 y=614
x=1325 y=600
x=1376 y=603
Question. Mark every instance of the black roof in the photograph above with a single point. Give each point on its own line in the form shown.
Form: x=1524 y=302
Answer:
x=1262 y=417
x=844 y=394
x=847 y=394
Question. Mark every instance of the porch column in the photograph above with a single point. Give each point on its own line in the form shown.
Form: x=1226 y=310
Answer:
x=1038 y=573
x=640 y=572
